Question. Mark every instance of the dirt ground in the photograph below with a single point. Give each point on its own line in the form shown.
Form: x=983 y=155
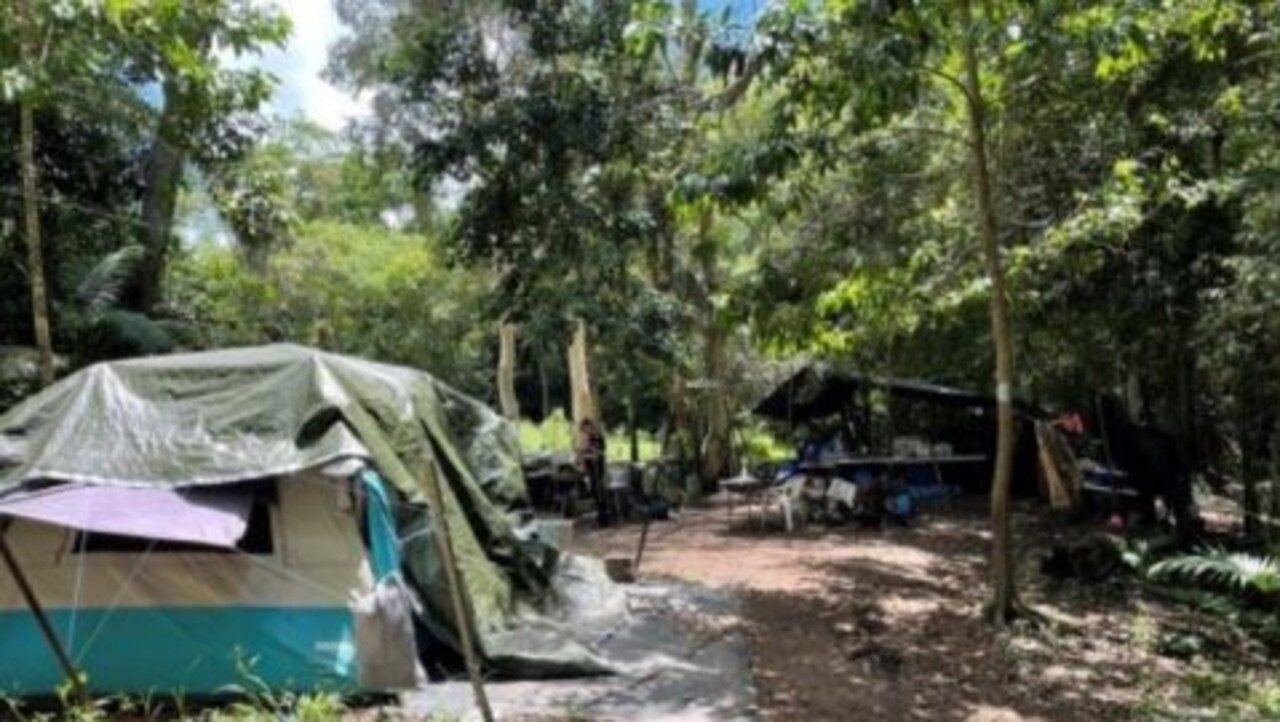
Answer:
x=854 y=623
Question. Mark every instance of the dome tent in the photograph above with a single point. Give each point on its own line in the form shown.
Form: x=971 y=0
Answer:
x=269 y=424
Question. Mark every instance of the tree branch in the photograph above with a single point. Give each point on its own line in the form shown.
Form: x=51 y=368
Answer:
x=937 y=132
x=738 y=88
x=953 y=80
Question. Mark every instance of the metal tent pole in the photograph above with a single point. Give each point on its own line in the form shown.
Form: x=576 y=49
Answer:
x=50 y=636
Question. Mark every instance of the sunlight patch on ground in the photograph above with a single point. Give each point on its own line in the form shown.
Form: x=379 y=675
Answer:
x=984 y=713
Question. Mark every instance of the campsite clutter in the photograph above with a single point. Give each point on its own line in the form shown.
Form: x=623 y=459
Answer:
x=876 y=450
x=871 y=451
x=294 y=519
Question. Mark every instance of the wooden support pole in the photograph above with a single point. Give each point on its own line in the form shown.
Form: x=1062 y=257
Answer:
x=50 y=636
x=462 y=610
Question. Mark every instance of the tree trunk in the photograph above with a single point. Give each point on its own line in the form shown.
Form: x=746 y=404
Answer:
x=669 y=442
x=1188 y=429
x=31 y=210
x=681 y=434
x=1273 y=502
x=1003 y=602
x=1251 y=436
x=583 y=402
x=712 y=442
x=633 y=431
x=159 y=204
x=717 y=459
x=690 y=42
x=717 y=456
x=1249 y=479
x=507 y=371
x=544 y=386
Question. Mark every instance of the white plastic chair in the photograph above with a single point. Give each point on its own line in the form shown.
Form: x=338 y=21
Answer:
x=793 y=501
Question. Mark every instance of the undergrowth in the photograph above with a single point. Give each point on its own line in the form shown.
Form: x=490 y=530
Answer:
x=1239 y=587
x=310 y=707
x=252 y=700
x=1224 y=694
x=1254 y=577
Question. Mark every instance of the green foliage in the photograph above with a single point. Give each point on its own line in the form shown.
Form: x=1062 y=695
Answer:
x=1140 y=553
x=1265 y=700
x=760 y=445
x=254 y=201
x=86 y=166
x=362 y=290
x=559 y=130
x=172 y=43
x=1134 y=185
x=1235 y=571
x=103 y=286
x=698 y=193
x=19 y=374
x=1220 y=693
x=92 y=83
x=1241 y=588
x=262 y=703
x=299 y=172
x=252 y=700
x=340 y=179
x=561 y=195
x=264 y=707
x=1215 y=688
x=555 y=433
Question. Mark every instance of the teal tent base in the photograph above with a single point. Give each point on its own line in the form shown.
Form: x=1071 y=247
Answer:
x=193 y=652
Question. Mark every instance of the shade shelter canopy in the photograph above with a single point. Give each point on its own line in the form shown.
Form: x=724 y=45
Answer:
x=819 y=390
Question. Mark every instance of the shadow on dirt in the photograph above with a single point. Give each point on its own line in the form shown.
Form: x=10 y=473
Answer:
x=900 y=636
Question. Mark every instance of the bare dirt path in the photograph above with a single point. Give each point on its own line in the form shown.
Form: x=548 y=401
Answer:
x=868 y=624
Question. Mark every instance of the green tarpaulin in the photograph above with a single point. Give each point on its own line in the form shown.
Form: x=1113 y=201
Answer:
x=233 y=415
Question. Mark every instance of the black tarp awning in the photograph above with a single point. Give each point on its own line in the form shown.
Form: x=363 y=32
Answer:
x=818 y=391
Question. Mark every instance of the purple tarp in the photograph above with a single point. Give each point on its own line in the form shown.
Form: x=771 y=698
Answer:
x=199 y=516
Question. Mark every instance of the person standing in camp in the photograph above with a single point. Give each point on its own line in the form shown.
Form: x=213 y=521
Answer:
x=591 y=459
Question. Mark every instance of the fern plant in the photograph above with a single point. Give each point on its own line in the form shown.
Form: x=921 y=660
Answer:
x=1250 y=574
x=96 y=324
x=102 y=286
